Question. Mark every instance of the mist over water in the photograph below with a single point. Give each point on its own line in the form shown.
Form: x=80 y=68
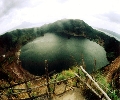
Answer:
x=61 y=53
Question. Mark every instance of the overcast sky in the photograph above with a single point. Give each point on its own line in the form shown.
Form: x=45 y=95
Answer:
x=28 y=13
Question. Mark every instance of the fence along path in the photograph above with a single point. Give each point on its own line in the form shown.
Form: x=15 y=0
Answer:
x=95 y=83
x=45 y=85
x=28 y=90
x=11 y=92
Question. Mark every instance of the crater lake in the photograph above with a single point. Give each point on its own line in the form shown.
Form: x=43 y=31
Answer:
x=61 y=53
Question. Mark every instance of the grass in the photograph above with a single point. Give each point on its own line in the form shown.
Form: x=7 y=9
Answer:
x=64 y=75
x=101 y=79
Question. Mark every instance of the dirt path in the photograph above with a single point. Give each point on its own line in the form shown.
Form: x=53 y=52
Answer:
x=74 y=94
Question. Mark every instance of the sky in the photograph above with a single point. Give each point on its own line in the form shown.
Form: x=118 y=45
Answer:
x=30 y=13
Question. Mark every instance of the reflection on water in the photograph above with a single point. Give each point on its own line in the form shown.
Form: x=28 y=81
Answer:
x=61 y=53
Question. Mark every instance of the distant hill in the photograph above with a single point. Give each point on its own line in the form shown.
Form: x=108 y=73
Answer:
x=67 y=27
x=111 y=33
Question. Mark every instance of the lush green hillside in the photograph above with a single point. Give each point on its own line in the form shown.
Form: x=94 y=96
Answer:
x=67 y=27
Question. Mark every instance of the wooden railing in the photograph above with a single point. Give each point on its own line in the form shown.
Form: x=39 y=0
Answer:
x=104 y=94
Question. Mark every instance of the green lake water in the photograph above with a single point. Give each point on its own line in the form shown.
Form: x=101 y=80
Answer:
x=61 y=53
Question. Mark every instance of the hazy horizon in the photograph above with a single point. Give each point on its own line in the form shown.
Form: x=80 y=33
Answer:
x=15 y=14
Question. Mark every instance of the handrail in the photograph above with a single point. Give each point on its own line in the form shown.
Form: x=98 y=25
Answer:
x=95 y=83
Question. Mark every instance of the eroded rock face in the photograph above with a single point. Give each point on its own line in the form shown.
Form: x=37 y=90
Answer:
x=10 y=66
x=112 y=73
x=116 y=78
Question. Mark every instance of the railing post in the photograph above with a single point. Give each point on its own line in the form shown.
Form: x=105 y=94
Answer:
x=28 y=89
x=94 y=65
x=83 y=64
x=78 y=71
x=77 y=80
x=47 y=78
x=55 y=83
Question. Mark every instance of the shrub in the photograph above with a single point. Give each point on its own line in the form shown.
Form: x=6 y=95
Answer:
x=61 y=77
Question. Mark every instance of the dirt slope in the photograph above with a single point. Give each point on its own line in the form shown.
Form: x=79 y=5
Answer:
x=110 y=70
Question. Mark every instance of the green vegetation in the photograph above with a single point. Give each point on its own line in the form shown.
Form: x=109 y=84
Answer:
x=114 y=95
x=28 y=84
x=63 y=75
x=101 y=80
x=9 y=92
x=75 y=69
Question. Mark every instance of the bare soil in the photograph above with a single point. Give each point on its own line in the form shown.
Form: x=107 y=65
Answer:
x=75 y=94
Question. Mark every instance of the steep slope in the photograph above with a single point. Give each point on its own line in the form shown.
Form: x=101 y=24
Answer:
x=112 y=72
x=11 y=69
